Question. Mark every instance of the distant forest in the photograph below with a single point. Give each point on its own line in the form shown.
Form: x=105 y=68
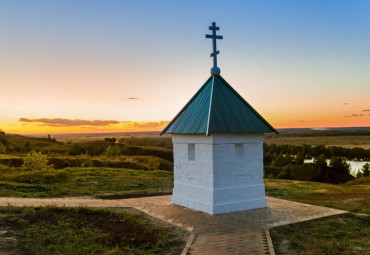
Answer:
x=280 y=161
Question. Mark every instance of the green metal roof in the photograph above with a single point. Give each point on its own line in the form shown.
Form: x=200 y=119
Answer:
x=218 y=108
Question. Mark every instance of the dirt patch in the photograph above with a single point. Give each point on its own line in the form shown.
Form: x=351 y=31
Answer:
x=124 y=196
x=284 y=247
x=325 y=191
x=8 y=241
x=357 y=200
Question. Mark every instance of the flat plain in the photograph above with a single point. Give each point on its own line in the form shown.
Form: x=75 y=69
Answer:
x=341 y=141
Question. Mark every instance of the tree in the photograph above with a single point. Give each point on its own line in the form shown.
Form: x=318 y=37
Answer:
x=321 y=167
x=320 y=162
x=27 y=147
x=111 y=140
x=359 y=174
x=366 y=170
x=281 y=160
x=36 y=161
x=2 y=148
x=286 y=173
x=299 y=158
x=339 y=165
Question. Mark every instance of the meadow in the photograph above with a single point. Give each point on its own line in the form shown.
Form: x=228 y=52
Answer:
x=342 y=234
x=98 y=182
x=80 y=231
x=126 y=166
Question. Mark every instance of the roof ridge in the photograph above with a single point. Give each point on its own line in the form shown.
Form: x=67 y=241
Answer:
x=210 y=104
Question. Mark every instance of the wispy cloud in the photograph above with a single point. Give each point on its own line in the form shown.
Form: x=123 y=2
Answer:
x=132 y=98
x=345 y=103
x=59 y=122
x=91 y=124
x=366 y=110
x=148 y=125
x=354 y=115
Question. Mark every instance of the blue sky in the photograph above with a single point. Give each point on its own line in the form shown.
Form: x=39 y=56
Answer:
x=299 y=63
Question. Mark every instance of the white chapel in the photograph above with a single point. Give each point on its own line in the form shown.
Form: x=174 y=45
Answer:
x=218 y=148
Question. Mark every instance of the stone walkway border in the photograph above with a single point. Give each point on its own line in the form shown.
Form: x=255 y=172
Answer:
x=245 y=232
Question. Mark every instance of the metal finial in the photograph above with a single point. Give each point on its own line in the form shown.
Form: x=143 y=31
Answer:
x=214 y=70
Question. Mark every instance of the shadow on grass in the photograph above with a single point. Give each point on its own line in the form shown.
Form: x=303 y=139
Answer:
x=51 y=230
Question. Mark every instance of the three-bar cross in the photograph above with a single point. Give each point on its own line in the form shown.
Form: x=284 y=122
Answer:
x=214 y=37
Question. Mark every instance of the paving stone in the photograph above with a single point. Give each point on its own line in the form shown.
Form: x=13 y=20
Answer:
x=232 y=233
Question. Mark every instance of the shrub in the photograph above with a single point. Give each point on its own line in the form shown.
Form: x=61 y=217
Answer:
x=286 y=173
x=2 y=148
x=270 y=176
x=36 y=161
x=112 y=151
x=153 y=164
x=87 y=163
x=77 y=149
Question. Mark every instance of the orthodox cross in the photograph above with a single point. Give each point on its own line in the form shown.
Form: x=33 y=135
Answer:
x=214 y=37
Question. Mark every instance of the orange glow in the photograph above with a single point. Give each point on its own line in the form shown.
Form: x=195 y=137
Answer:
x=73 y=126
x=124 y=126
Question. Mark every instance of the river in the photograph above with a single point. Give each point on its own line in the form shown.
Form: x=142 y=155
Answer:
x=355 y=165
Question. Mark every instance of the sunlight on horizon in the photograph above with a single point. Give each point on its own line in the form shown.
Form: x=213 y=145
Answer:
x=299 y=64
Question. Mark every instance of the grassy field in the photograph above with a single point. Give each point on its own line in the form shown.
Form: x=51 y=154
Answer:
x=81 y=231
x=87 y=169
x=343 y=234
x=89 y=181
x=353 y=196
x=341 y=141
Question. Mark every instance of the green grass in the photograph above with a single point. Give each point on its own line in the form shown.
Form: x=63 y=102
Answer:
x=90 y=181
x=345 y=234
x=44 y=231
x=353 y=196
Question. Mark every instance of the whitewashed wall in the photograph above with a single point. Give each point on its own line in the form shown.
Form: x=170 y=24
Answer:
x=219 y=179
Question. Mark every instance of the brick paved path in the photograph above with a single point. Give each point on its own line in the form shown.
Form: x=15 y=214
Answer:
x=232 y=233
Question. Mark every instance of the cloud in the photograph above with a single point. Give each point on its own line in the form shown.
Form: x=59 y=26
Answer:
x=94 y=124
x=366 y=110
x=59 y=122
x=132 y=98
x=354 y=115
x=345 y=103
x=148 y=125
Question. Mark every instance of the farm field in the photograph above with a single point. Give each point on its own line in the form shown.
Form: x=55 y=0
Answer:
x=341 y=141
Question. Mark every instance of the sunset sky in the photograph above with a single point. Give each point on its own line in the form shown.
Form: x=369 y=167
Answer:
x=116 y=66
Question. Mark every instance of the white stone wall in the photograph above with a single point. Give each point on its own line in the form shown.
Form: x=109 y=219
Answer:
x=221 y=178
